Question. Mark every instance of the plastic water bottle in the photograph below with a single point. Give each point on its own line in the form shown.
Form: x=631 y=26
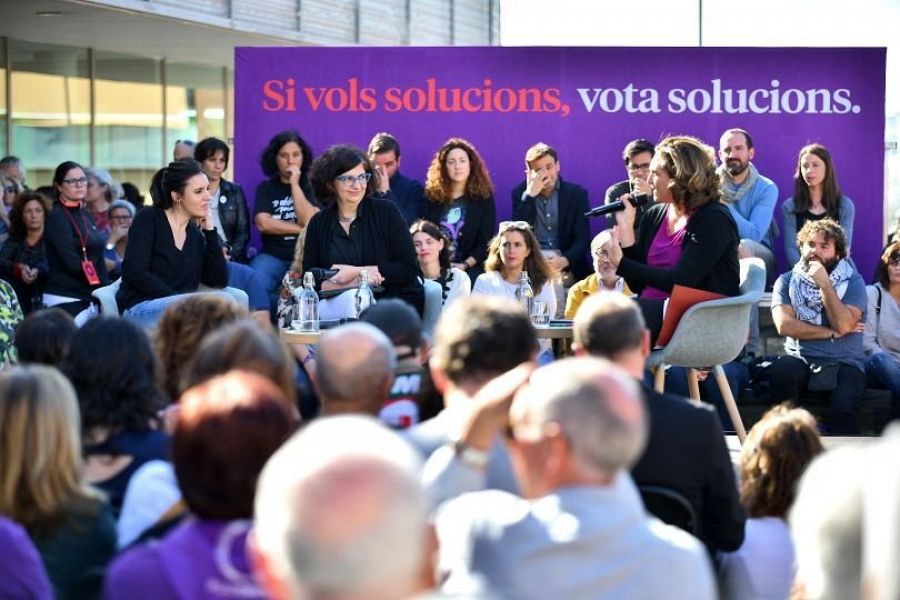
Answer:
x=364 y=296
x=308 y=305
x=524 y=293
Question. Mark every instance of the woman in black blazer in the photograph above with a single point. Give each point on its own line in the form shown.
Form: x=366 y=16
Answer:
x=461 y=202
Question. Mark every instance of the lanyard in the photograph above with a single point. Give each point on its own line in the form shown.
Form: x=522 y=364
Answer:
x=81 y=238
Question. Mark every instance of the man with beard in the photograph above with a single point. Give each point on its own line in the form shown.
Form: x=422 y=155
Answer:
x=749 y=196
x=819 y=306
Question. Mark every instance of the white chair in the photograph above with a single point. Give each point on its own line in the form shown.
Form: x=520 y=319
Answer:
x=711 y=334
x=434 y=300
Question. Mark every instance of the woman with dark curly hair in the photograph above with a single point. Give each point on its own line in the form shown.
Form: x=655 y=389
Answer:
x=284 y=205
x=773 y=458
x=23 y=257
x=113 y=369
x=461 y=203
x=433 y=252
x=687 y=238
x=356 y=231
x=817 y=195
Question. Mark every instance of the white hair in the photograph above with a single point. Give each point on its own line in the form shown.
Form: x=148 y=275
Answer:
x=340 y=511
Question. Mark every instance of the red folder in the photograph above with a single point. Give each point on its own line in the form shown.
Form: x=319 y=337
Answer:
x=682 y=299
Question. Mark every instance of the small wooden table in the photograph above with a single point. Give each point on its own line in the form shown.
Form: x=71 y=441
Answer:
x=553 y=333
x=312 y=337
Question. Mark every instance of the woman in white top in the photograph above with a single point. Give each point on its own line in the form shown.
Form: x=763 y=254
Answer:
x=513 y=250
x=774 y=457
x=433 y=253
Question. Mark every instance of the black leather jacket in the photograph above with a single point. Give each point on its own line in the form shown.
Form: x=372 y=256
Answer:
x=235 y=219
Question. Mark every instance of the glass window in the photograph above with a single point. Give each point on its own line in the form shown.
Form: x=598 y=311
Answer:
x=129 y=117
x=50 y=107
x=195 y=103
x=3 y=149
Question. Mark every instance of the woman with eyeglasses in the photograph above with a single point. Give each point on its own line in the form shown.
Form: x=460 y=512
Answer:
x=461 y=202
x=356 y=231
x=881 y=337
x=23 y=257
x=74 y=246
x=687 y=238
x=433 y=252
x=172 y=245
x=11 y=188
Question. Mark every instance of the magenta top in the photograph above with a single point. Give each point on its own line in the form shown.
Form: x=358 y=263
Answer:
x=664 y=252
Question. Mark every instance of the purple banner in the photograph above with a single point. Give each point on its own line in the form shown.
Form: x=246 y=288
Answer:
x=586 y=102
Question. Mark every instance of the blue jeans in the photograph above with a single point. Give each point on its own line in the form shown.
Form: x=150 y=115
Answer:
x=148 y=313
x=270 y=270
x=883 y=373
x=245 y=278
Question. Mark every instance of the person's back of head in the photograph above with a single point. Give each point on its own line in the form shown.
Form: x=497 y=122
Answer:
x=478 y=338
x=608 y=324
x=340 y=513
x=354 y=369
x=591 y=404
x=399 y=322
x=44 y=336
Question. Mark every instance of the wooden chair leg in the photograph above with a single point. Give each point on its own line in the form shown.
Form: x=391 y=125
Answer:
x=730 y=404
x=659 y=378
x=693 y=385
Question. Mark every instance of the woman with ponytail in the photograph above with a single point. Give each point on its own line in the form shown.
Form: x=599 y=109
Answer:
x=74 y=246
x=173 y=246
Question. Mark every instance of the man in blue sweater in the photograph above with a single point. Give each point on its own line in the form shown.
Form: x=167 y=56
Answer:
x=750 y=198
x=408 y=194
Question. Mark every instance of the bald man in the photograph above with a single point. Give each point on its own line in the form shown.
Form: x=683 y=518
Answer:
x=354 y=369
x=579 y=530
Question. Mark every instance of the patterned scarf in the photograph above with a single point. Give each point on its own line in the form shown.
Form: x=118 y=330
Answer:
x=806 y=297
x=732 y=192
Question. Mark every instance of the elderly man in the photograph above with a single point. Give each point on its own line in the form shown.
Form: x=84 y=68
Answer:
x=579 y=530
x=604 y=276
x=819 y=307
x=340 y=514
x=354 y=369
x=686 y=450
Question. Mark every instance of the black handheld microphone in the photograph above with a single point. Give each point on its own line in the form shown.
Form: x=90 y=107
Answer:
x=638 y=200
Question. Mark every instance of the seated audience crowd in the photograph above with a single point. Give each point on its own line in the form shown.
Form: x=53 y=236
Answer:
x=179 y=445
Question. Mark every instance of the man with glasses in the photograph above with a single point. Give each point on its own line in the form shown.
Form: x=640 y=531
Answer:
x=604 y=277
x=120 y=215
x=555 y=210
x=11 y=166
x=637 y=156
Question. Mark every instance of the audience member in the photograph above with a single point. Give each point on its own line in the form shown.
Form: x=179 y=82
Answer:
x=819 y=307
x=172 y=246
x=74 y=247
x=340 y=514
x=10 y=190
x=686 y=449
x=604 y=277
x=579 y=530
x=44 y=337
x=102 y=189
x=433 y=252
x=845 y=523
x=688 y=238
x=230 y=218
x=354 y=369
x=113 y=370
x=283 y=206
x=12 y=166
x=477 y=340
x=131 y=193
x=881 y=336
x=403 y=327
x=22 y=574
x=206 y=556
x=120 y=216
x=637 y=156
x=42 y=488
x=513 y=251
x=182 y=329
x=555 y=210
x=356 y=232
x=10 y=317
x=817 y=195
x=408 y=194
x=461 y=202
x=183 y=149
x=23 y=256
x=773 y=458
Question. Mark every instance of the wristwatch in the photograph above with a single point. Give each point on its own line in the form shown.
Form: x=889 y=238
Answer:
x=110 y=247
x=471 y=457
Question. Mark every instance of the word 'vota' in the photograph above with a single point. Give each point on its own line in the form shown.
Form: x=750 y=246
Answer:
x=773 y=100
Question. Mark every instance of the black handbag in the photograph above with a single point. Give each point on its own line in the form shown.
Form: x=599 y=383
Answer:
x=823 y=376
